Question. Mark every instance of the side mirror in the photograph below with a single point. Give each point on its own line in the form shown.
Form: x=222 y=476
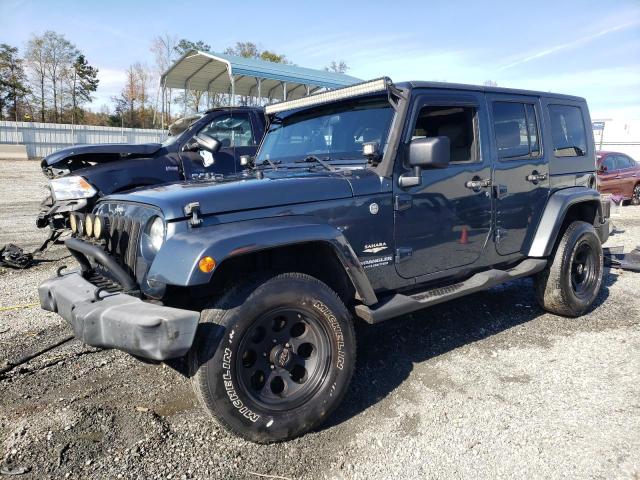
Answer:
x=430 y=152
x=208 y=143
x=602 y=169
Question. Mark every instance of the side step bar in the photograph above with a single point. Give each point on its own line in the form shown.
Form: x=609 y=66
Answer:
x=399 y=304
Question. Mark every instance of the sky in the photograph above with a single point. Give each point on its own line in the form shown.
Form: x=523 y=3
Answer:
x=580 y=47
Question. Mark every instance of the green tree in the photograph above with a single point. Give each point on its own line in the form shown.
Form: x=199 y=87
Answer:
x=13 y=81
x=185 y=46
x=85 y=82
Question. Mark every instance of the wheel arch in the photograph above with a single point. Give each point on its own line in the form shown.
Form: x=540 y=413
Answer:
x=562 y=208
x=304 y=244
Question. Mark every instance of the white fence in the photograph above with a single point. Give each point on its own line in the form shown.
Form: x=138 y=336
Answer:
x=43 y=138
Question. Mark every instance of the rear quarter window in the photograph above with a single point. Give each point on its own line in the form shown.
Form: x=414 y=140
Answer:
x=568 y=131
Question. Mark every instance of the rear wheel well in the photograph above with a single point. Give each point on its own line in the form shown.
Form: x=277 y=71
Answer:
x=582 y=211
x=317 y=259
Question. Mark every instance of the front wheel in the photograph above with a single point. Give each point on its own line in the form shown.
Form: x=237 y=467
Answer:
x=273 y=358
x=571 y=281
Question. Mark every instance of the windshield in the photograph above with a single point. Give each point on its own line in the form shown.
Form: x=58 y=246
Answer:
x=180 y=126
x=336 y=131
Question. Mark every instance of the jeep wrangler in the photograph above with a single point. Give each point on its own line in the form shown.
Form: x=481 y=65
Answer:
x=367 y=202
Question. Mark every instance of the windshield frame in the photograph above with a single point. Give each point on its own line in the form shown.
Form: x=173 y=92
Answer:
x=320 y=111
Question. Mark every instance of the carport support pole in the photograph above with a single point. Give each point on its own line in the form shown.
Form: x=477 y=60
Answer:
x=232 y=100
x=259 y=92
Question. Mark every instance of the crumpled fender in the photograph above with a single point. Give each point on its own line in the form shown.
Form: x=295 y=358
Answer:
x=177 y=261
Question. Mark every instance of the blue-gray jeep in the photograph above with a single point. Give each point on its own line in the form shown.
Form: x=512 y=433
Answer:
x=366 y=202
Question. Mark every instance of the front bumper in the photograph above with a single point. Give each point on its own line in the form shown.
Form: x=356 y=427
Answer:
x=118 y=320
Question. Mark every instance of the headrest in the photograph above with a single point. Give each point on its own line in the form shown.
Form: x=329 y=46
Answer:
x=455 y=133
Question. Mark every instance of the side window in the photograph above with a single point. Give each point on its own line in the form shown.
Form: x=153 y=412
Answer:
x=516 y=128
x=232 y=130
x=626 y=161
x=454 y=122
x=569 y=136
x=609 y=162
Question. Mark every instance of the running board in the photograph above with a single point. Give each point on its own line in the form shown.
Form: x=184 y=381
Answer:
x=399 y=304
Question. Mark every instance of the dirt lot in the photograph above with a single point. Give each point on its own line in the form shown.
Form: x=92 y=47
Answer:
x=487 y=387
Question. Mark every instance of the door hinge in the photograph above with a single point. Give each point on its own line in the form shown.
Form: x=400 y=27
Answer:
x=499 y=234
x=403 y=253
x=402 y=202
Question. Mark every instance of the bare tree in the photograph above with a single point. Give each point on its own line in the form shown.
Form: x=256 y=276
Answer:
x=59 y=56
x=37 y=65
x=338 y=66
x=163 y=48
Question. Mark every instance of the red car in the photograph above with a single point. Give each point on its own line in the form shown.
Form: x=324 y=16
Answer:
x=619 y=175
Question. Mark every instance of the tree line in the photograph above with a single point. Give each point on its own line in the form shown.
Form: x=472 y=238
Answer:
x=52 y=81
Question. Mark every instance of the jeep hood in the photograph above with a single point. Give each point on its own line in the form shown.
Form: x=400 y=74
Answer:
x=243 y=192
x=98 y=153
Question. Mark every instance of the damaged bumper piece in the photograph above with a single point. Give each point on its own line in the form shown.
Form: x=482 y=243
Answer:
x=119 y=320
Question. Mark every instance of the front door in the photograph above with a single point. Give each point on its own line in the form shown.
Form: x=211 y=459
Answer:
x=233 y=130
x=443 y=223
x=521 y=169
x=609 y=175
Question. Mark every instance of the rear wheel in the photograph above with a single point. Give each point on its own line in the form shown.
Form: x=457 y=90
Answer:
x=273 y=358
x=635 y=198
x=571 y=281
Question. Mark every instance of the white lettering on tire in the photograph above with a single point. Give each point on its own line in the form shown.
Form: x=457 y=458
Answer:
x=231 y=391
x=337 y=330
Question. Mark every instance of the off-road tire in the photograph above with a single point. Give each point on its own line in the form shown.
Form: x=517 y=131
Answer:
x=227 y=329
x=557 y=287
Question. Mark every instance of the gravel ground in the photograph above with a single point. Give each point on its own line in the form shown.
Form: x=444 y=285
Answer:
x=489 y=386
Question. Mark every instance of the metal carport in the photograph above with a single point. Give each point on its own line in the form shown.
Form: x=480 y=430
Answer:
x=232 y=75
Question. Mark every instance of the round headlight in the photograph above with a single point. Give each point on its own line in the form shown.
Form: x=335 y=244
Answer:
x=156 y=233
x=73 y=223
x=97 y=227
x=88 y=225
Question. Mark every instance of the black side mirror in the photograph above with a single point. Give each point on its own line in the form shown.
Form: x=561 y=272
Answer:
x=207 y=142
x=602 y=169
x=430 y=152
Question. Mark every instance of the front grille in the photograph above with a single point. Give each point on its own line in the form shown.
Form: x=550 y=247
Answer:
x=123 y=240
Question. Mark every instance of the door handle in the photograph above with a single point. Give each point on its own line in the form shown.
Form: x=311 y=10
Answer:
x=477 y=184
x=535 y=177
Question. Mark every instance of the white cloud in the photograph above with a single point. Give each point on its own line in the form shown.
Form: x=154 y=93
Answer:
x=568 y=45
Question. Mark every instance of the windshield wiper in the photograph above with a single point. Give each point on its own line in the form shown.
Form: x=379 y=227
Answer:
x=318 y=160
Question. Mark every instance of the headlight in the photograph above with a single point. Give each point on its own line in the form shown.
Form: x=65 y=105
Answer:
x=156 y=233
x=68 y=188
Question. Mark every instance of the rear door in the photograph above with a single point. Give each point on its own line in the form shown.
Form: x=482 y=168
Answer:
x=442 y=223
x=521 y=173
x=628 y=175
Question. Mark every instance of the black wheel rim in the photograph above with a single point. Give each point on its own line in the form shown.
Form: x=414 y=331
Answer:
x=584 y=270
x=283 y=358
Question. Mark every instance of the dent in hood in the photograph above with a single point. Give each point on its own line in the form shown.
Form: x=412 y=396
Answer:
x=98 y=153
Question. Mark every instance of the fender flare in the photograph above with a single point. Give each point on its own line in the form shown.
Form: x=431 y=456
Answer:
x=554 y=214
x=177 y=261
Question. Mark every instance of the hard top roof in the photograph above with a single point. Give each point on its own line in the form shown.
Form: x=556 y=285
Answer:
x=485 y=89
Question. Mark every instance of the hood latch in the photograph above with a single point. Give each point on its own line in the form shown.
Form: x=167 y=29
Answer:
x=192 y=211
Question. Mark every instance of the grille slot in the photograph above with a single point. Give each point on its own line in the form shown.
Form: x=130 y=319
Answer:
x=124 y=234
